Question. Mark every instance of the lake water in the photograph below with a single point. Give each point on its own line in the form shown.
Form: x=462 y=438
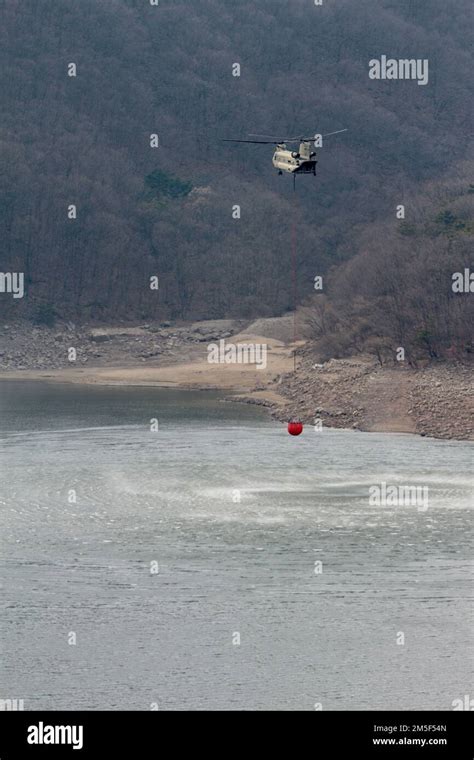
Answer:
x=227 y=569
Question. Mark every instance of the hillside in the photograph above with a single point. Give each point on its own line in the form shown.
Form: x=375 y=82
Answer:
x=167 y=211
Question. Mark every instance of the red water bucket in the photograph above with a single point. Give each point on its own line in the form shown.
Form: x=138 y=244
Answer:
x=295 y=427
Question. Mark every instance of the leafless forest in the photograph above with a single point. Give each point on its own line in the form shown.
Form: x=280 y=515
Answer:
x=167 y=211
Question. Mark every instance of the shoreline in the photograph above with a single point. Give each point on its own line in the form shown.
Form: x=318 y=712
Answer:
x=278 y=405
x=354 y=393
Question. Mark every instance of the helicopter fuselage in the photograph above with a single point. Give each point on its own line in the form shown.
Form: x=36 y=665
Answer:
x=295 y=162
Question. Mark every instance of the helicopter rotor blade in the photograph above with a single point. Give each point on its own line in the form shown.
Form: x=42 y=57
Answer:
x=338 y=132
x=253 y=142
x=327 y=134
x=299 y=139
x=276 y=139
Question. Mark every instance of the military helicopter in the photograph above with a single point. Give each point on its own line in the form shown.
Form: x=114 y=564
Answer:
x=294 y=162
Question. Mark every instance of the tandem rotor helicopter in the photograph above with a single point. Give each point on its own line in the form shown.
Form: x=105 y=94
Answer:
x=302 y=161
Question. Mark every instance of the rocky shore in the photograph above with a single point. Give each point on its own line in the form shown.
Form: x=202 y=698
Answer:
x=356 y=393
x=435 y=401
x=27 y=347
